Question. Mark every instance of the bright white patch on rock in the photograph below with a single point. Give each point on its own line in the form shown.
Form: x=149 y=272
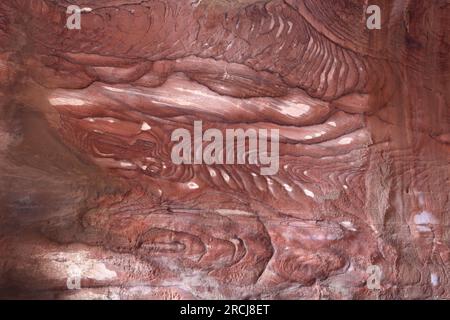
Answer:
x=192 y=185
x=423 y=221
x=145 y=126
x=425 y=217
x=114 y=89
x=332 y=123
x=345 y=186
x=212 y=172
x=294 y=109
x=226 y=177
x=66 y=264
x=348 y=225
x=66 y=101
x=196 y=4
x=229 y=212
x=309 y=193
x=287 y=187
x=319 y=134
x=434 y=279
x=290 y=24
x=308 y=137
x=100 y=272
x=345 y=141
x=280 y=29
x=126 y=164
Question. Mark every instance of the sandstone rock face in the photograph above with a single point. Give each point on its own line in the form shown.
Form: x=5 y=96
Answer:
x=92 y=204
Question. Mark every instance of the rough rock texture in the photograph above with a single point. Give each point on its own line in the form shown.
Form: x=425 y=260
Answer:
x=87 y=183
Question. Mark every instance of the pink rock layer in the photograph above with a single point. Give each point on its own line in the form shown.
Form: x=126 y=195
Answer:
x=88 y=188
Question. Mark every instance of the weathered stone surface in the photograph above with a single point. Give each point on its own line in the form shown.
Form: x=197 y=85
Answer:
x=87 y=184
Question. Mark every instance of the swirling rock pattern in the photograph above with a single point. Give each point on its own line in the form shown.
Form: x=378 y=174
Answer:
x=88 y=187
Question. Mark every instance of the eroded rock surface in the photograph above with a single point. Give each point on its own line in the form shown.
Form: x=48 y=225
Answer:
x=88 y=187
